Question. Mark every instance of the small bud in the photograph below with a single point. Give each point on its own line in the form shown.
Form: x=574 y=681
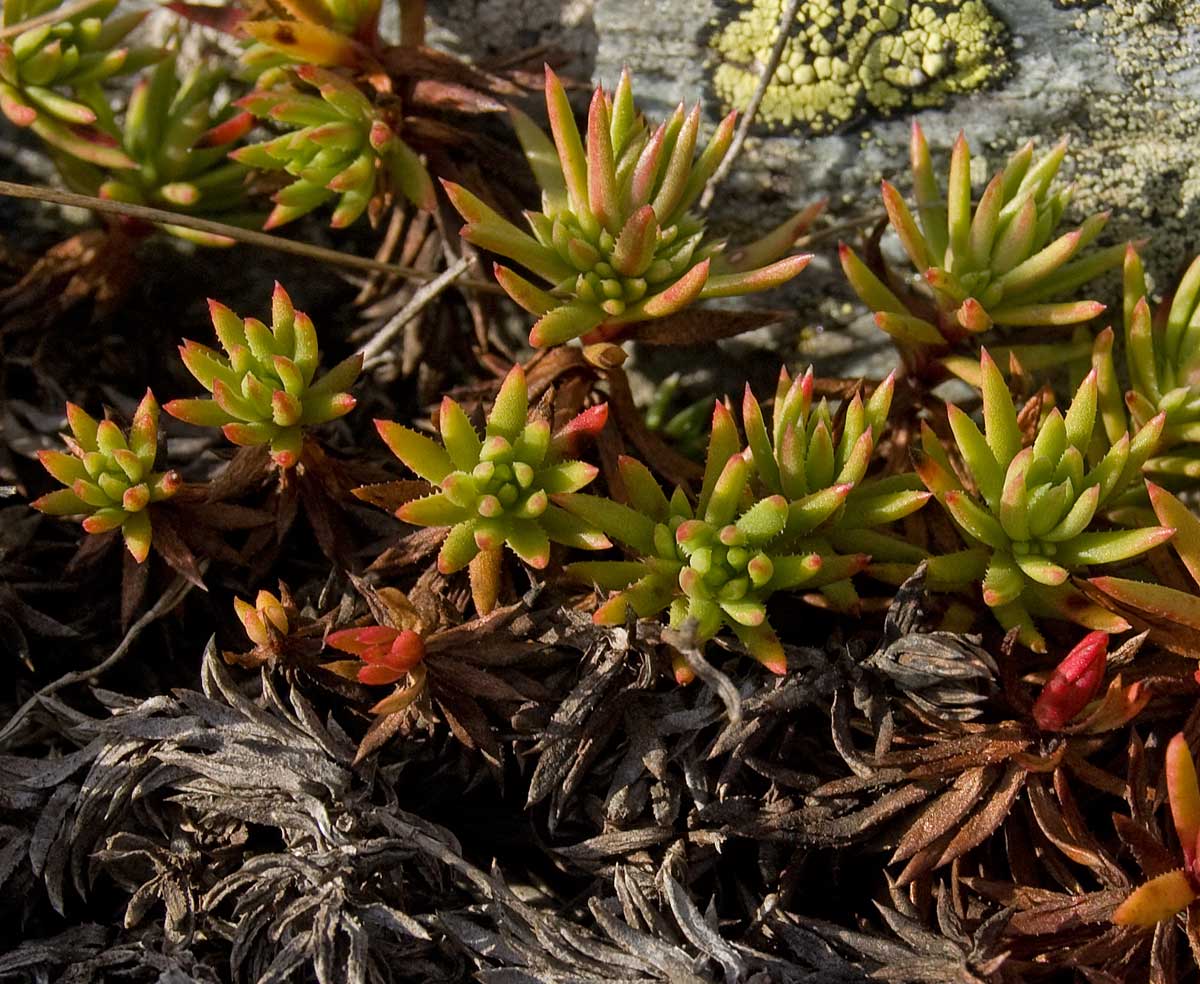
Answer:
x=1073 y=684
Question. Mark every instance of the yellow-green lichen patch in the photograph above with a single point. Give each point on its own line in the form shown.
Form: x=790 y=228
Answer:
x=849 y=59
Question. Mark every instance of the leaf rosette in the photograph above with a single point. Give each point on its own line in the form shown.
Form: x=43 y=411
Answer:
x=714 y=564
x=496 y=491
x=338 y=147
x=50 y=75
x=1162 y=353
x=177 y=138
x=263 y=389
x=997 y=262
x=1034 y=514
x=819 y=466
x=616 y=238
x=109 y=476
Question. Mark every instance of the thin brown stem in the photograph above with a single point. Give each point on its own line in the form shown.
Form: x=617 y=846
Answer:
x=169 y=599
x=747 y=120
x=412 y=23
x=55 y=16
x=248 y=236
x=374 y=352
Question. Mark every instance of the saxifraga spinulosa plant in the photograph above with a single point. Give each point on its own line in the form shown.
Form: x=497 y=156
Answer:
x=1163 y=356
x=50 y=75
x=109 y=477
x=338 y=146
x=497 y=490
x=615 y=239
x=178 y=145
x=833 y=509
x=716 y=563
x=994 y=264
x=262 y=388
x=1034 y=515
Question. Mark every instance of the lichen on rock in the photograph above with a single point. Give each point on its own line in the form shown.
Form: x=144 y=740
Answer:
x=849 y=59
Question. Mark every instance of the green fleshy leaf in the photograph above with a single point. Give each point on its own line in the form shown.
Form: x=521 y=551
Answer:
x=62 y=502
x=765 y=520
x=339 y=379
x=1173 y=513
x=424 y=456
x=617 y=521
x=727 y=492
x=999 y=415
x=569 y=530
x=1108 y=548
x=1080 y=421
x=137 y=534
x=511 y=407
x=1041 y=569
x=529 y=542
x=645 y=494
x=1077 y=518
x=975 y=521
x=1003 y=582
x=565 y=322
x=977 y=456
x=1014 y=615
x=1179 y=607
x=432 y=510
x=461 y=441
x=543 y=160
x=459 y=548
x=608 y=575
x=569 y=476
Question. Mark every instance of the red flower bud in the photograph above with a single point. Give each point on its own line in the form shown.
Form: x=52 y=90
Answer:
x=1074 y=682
x=586 y=424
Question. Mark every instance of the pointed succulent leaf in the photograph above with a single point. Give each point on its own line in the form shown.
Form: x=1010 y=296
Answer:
x=1156 y=901
x=1183 y=794
x=422 y=455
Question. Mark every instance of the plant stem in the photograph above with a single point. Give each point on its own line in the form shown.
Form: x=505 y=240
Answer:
x=373 y=351
x=169 y=599
x=412 y=23
x=747 y=120
x=55 y=16
x=248 y=236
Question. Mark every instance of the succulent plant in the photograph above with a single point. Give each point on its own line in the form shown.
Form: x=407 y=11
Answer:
x=110 y=477
x=384 y=654
x=497 y=490
x=338 y=146
x=266 y=617
x=820 y=470
x=262 y=388
x=1163 y=356
x=716 y=563
x=996 y=264
x=1165 y=896
x=177 y=144
x=1030 y=512
x=50 y=75
x=615 y=239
